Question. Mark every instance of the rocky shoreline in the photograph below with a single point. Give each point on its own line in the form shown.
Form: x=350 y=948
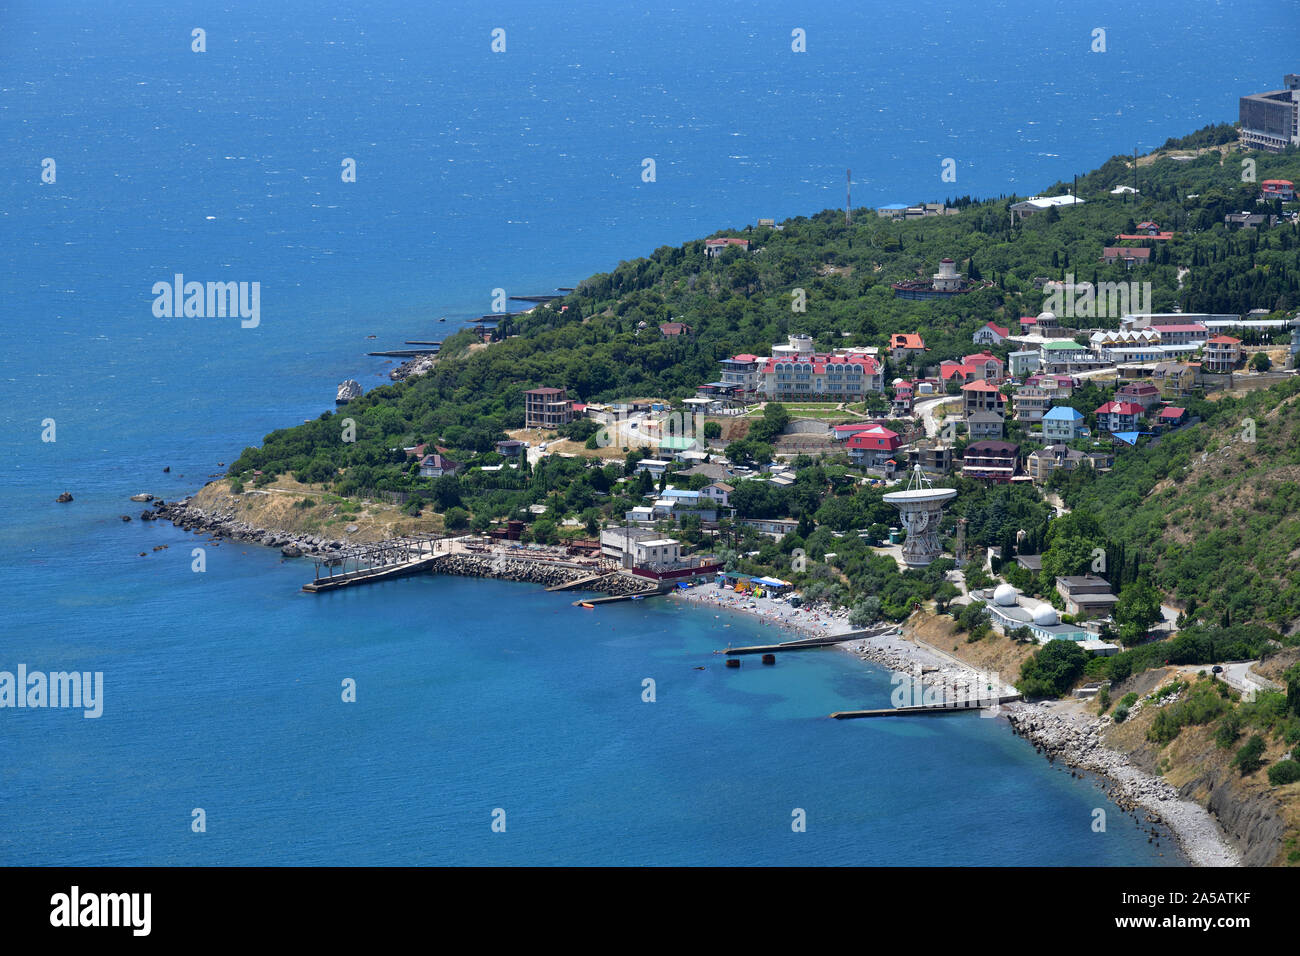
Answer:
x=1075 y=740
x=417 y=365
x=187 y=517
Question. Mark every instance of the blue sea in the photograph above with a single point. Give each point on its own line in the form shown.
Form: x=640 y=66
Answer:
x=478 y=170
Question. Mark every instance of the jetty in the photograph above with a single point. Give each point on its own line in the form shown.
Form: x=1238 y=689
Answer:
x=809 y=642
x=539 y=299
x=402 y=353
x=381 y=562
x=422 y=343
x=947 y=707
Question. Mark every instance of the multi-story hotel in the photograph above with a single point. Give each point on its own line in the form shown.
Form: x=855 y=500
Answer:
x=1271 y=120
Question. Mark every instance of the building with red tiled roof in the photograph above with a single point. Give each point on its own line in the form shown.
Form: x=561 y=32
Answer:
x=990 y=334
x=672 y=329
x=1222 y=353
x=834 y=377
x=873 y=446
x=1277 y=189
x=1119 y=416
x=715 y=247
x=986 y=365
x=903 y=346
x=981 y=396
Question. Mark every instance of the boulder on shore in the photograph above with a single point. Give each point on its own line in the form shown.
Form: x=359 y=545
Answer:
x=64 y=498
x=291 y=551
x=142 y=497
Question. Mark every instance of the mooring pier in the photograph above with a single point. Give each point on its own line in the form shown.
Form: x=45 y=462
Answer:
x=389 y=559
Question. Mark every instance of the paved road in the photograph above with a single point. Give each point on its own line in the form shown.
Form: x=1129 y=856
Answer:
x=1239 y=676
x=926 y=410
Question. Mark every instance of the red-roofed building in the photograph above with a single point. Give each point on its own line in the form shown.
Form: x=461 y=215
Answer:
x=1185 y=333
x=873 y=446
x=990 y=334
x=1139 y=393
x=1028 y=323
x=1277 y=189
x=1171 y=417
x=1119 y=417
x=981 y=396
x=904 y=395
x=674 y=329
x=715 y=247
x=1222 y=353
x=903 y=346
x=950 y=370
x=986 y=366
x=823 y=377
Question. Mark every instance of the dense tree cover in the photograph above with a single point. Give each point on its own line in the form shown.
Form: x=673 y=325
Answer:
x=1211 y=511
x=602 y=343
x=1053 y=670
x=1193 y=645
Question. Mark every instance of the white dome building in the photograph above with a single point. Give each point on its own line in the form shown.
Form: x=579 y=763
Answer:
x=1046 y=616
x=1004 y=595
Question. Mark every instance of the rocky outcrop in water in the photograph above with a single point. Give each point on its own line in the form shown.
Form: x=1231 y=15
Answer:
x=348 y=390
x=64 y=498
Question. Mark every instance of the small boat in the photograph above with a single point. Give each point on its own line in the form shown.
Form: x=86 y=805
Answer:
x=638 y=597
x=588 y=604
x=733 y=661
x=769 y=658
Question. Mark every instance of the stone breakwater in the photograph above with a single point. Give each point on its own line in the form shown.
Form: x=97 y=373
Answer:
x=1076 y=742
x=186 y=516
x=536 y=572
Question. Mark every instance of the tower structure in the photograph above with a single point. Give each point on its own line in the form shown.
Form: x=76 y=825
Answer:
x=920 y=509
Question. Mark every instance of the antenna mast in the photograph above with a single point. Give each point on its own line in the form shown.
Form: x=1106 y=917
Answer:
x=848 y=197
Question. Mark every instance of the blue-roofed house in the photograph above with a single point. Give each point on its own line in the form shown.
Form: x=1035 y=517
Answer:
x=1061 y=424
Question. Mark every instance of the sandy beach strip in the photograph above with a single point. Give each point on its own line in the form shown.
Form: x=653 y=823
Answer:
x=1059 y=728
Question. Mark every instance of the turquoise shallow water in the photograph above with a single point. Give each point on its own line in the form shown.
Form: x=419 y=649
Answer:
x=474 y=172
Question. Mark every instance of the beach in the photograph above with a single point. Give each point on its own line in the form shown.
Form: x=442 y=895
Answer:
x=1061 y=730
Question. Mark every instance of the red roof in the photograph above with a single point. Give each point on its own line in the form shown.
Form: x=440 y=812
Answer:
x=998 y=329
x=904 y=340
x=727 y=241
x=1142 y=235
x=744 y=357
x=980 y=386
x=1029 y=320
x=1126 y=252
x=981 y=358
x=1120 y=408
x=874 y=439
x=819 y=362
x=1277 y=182
x=951 y=369
x=1225 y=340
x=1172 y=411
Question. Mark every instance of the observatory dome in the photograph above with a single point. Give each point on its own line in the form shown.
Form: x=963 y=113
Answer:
x=1004 y=596
x=1045 y=616
x=1046 y=317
